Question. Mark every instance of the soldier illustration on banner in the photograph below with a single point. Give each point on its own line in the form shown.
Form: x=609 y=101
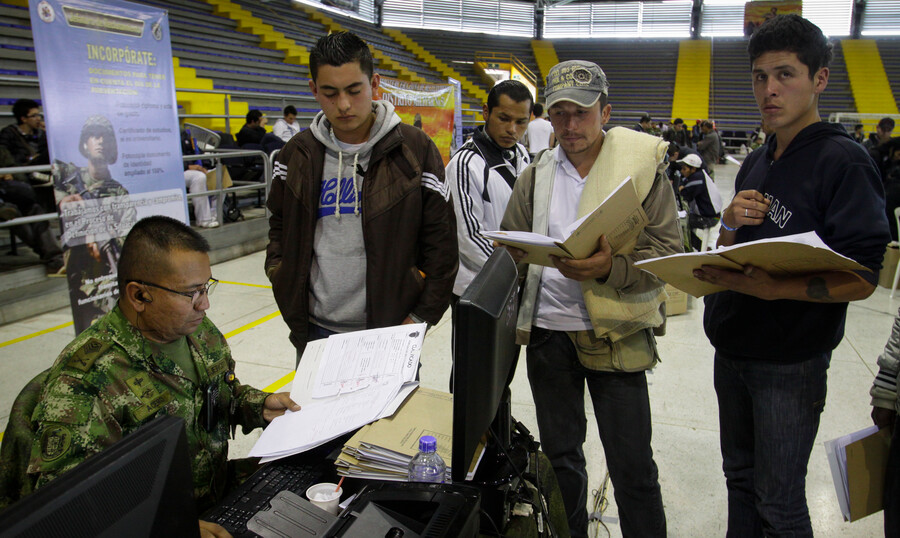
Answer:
x=107 y=89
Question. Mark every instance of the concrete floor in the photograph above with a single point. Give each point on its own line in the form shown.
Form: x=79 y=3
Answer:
x=685 y=419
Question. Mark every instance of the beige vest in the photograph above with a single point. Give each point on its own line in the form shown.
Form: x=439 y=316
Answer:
x=624 y=153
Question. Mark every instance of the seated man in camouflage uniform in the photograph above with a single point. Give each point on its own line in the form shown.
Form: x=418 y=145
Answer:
x=156 y=353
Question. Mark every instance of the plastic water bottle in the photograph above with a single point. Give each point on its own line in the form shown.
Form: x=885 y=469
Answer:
x=427 y=465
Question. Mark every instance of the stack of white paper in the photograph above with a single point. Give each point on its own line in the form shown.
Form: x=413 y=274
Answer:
x=342 y=384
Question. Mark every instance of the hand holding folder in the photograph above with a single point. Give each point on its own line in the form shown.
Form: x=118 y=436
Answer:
x=619 y=217
x=858 y=462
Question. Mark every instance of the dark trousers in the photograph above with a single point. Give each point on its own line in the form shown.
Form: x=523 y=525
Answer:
x=768 y=420
x=38 y=236
x=622 y=409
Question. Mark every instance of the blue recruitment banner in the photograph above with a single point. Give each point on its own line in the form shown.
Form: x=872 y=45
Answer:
x=108 y=92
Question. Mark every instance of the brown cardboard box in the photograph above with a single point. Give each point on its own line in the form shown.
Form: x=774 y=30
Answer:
x=677 y=301
x=889 y=265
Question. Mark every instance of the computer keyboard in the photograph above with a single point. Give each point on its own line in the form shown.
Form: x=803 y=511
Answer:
x=254 y=494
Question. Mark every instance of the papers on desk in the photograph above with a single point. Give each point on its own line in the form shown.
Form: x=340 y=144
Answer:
x=619 y=217
x=788 y=255
x=382 y=450
x=858 y=462
x=343 y=383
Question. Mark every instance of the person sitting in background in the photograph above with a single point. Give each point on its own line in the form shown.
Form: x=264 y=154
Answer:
x=858 y=134
x=253 y=130
x=881 y=135
x=18 y=199
x=704 y=200
x=758 y=138
x=285 y=128
x=195 y=181
x=644 y=124
x=879 y=148
x=156 y=353
x=26 y=140
x=678 y=133
x=676 y=152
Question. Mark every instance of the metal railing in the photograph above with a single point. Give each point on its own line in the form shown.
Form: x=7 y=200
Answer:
x=285 y=99
x=220 y=192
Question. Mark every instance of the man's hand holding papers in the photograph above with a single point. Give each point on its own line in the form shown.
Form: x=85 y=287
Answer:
x=616 y=222
x=754 y=267
x=343 y=383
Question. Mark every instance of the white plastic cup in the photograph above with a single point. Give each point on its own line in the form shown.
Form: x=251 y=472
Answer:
x=326 y=496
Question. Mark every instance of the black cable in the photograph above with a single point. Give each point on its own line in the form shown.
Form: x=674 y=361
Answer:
x=522 y=478
x=494 y=525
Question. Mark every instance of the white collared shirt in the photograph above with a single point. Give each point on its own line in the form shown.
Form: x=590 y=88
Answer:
x=560 y=303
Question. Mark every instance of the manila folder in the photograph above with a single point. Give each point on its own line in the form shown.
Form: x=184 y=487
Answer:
x=620 y=217
x=866 y=465
x=779 y=256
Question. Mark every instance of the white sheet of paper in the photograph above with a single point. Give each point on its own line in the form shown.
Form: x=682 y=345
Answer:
x=361 y=377
x=319 y=422
x=353 y=361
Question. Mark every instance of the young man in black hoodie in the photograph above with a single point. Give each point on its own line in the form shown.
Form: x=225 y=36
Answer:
x=774 y=335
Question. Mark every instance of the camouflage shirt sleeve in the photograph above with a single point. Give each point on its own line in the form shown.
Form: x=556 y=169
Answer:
x=73 y=420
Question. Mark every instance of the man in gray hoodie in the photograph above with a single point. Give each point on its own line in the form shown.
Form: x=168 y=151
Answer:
x=362 y=232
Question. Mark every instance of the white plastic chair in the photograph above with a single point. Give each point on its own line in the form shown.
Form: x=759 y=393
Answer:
x=896 y=271
x=706 y=236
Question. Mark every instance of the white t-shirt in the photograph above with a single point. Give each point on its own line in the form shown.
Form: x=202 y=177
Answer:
x=560 y=303
x=539 y=131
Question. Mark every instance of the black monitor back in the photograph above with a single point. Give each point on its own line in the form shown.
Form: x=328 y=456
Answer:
x=140 y=486
x=484 y=356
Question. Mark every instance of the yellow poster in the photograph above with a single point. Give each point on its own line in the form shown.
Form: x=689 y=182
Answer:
x=756 y=13
x=429 y=107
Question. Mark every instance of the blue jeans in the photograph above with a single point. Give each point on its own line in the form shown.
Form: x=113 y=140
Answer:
x=768 y=419
x=622 y=408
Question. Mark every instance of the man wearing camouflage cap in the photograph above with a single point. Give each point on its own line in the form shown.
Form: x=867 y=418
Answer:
x=593 y=320
x=156 y=353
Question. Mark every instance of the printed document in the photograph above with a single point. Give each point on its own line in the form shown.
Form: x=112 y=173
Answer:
x=343 y=383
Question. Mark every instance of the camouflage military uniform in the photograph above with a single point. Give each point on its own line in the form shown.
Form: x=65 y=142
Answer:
x=108 y=382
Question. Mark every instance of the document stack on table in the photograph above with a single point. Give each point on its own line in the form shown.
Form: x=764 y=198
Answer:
x=343 y=383
x=382 y=450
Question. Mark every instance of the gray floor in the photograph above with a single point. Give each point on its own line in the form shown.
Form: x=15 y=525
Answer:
x=684 y=403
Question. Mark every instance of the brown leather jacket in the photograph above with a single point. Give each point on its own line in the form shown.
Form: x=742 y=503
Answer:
x=408 y=226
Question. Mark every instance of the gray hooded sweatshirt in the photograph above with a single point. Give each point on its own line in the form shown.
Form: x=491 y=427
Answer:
x=337 y=299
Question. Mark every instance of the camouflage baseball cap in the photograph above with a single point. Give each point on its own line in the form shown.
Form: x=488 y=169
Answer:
x=577 y=81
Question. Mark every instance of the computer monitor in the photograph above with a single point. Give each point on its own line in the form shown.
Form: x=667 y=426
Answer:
x=140 y=486
x=484 y=358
